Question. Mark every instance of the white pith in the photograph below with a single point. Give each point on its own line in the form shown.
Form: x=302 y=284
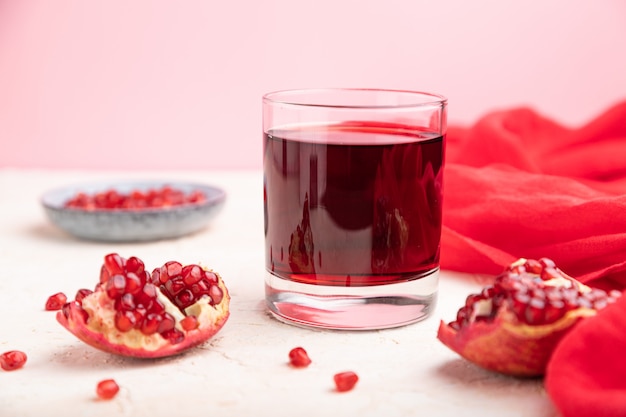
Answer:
x=482 y=308
x=102 y=320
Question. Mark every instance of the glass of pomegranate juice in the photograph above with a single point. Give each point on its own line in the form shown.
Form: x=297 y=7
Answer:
x=352 y=202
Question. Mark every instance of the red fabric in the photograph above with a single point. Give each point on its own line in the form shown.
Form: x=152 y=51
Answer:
x=517 y=184
x=585 y=376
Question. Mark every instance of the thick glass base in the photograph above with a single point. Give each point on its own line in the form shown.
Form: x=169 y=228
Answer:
x=352 y=308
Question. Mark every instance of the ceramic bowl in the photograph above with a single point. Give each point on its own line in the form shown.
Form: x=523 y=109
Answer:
x=128 y=225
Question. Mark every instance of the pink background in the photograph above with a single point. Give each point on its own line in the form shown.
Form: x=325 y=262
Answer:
x=178 y=84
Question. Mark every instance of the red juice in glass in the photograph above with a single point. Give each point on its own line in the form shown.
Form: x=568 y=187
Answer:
x=352 y=222
x=362 y=207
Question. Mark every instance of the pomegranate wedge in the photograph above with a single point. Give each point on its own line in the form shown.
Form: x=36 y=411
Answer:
x=134 y=313
x=513 y=326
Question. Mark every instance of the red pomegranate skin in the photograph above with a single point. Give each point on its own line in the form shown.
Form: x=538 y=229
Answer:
x=507 y=347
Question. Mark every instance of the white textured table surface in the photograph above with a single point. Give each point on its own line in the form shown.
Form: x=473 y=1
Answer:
x=243 y=370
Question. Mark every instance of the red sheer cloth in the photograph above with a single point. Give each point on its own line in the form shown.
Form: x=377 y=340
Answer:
x=520 y=185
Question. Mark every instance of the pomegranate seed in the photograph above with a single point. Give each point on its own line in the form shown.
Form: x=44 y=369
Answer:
x=569 y=294
x=584 y=303
x=174 y=286
x=345 y=381
x=104 y=274
x=184 y=299
x=488 y=292
x=151 y=323
x=549 y=273
x=81 y=294
x=533 y=266
x=553 y=294
x=173 y=336
x=107 y=389
x=596 y=294
x=155 y=277
x=520 y=301
x=192 y=274
x=167 y=323
x=299 y=358
x=148 y=292
x=570 y=304
x=12 y=360
x=538 y=293
x=135 y=265
x=216 y=294
x=115 y=286
x=157 y=306
x=535 y=311
x=547 y=263
x=555 y=309
x=173 y=268
x=472 y=299
x=133 y=283
x=114 y=264
x=125 y=320
x=189 y=323
x=518 y=269
x=126 y=302
x=196 y=197
x=56 y=301
x=200 y=288
x=211 y=277
x=139 y=313
x=66 y=310
x=462 y=316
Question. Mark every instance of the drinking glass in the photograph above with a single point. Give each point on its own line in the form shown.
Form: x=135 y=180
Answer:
x=353 y=193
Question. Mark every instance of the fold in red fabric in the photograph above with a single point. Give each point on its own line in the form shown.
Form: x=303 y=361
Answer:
x=518 y=184
x=585 y=376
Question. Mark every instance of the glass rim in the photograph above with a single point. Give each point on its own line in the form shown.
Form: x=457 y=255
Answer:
x=282 y=97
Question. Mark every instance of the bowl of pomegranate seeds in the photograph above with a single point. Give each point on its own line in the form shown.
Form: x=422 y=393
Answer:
x=134 y=210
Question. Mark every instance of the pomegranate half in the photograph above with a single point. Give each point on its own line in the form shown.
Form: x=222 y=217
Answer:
x=135 y=313
x=513 y=326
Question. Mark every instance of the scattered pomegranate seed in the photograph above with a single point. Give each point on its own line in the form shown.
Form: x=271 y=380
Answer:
x=12 y=360
x=163 y=197
x=56 y=301
x=345 y=381
x=299 y=358
x=107 y=389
